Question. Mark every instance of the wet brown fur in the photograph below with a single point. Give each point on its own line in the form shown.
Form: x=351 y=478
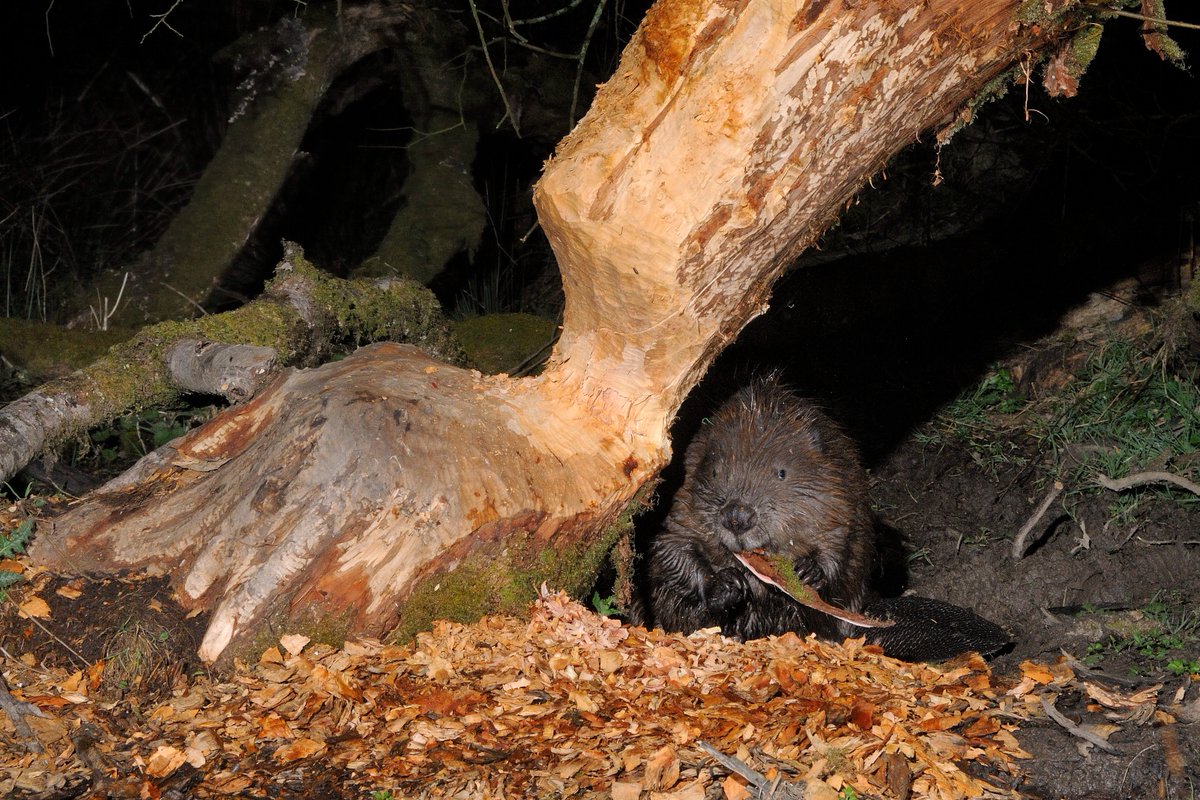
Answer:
x=770 y=472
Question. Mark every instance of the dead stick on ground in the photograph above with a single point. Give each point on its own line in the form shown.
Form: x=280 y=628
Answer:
x=1018 y=548
x=762 y=786
x=1076 y=730
x=1142 y=478
x=16 y=711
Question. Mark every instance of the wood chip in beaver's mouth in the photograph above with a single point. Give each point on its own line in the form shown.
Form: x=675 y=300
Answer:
x=776 y=571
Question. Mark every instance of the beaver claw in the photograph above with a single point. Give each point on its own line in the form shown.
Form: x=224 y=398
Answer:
x=726 y=590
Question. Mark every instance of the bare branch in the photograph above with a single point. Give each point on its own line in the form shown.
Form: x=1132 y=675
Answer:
x=1143 y=478
x=1018 y=547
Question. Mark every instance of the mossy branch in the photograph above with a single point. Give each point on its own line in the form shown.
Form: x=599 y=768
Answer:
x=302 y=315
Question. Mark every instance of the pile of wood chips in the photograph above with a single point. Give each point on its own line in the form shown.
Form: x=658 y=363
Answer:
x=564 y=704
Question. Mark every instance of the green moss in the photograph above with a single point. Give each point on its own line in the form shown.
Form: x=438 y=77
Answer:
x=791 y=582
x=1084 y=46
x=502 y=342
x=1035 y=12
x=992 y=90
x=46 y=351
x=323 y=628
x=463 y=595
x=506 y=583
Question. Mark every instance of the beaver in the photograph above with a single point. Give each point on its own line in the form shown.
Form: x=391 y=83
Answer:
x=770 y=472
x=773 y=473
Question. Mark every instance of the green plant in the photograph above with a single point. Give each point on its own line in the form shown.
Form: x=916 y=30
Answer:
x=1095 y=653
x=1167 y=625
x=13 y=544
x=381 y=794
x=976 y=418
x=1126 y=411
x=919 y=555
x=847 y=793
x=984 y=537
x=132 y=436
x=605 y=606
x=1181 y=667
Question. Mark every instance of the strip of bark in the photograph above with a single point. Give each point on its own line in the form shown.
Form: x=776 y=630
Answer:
x=302 y=314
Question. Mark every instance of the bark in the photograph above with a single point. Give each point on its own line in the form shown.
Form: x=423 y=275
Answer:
x=301 y=316
x=233 y=371
x=731 y=135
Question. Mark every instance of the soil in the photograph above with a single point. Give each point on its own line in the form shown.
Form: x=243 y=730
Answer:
x=963 y=520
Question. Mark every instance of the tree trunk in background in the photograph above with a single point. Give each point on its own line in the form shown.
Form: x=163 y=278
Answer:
x=387 y=489
x=443 y=214
x=299 y=61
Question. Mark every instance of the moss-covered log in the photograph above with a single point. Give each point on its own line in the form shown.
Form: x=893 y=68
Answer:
x=302 y=314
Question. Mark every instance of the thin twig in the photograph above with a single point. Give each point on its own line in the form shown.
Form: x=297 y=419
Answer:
x=487 y=56
x=1155 y=20
x=161 y=19
x=763 y=786
x=542 y=18
x=51 y=634
x=1076 y=730
x=587 y=38
x=49 y=38
x=1142 y=478
x=1018 y=548
x=199 y=307
x=1082 y=670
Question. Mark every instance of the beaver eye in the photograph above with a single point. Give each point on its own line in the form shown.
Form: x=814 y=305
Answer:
x=782 y=474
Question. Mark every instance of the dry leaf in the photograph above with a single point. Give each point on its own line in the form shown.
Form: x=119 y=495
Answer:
x=294 y=643
x=12 y=565
x=1037 y=672
x=274 y=726
x=271 y=656
x=69 y=591
x=301 y=748
x=662 y=770
x=164 y=760
x=774 y=572
x=734 y=788
x=35 y=607
x=626 y=791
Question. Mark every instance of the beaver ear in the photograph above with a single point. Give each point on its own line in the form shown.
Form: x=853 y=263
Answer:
x=695 y=452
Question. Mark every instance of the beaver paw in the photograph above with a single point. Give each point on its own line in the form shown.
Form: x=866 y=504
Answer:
x=809 y=572
x=726 y=590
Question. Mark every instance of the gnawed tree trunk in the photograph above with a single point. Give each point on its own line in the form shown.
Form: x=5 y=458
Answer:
x=387 y=487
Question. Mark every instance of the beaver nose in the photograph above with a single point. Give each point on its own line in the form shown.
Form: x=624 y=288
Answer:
x=737 y=517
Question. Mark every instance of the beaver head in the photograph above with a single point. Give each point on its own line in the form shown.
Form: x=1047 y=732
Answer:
x=771 y=472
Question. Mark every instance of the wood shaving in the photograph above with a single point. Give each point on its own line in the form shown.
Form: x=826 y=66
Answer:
x=563 y=704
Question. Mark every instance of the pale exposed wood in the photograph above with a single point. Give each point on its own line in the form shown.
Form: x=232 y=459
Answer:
x=730 y=136
x=341 y=485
